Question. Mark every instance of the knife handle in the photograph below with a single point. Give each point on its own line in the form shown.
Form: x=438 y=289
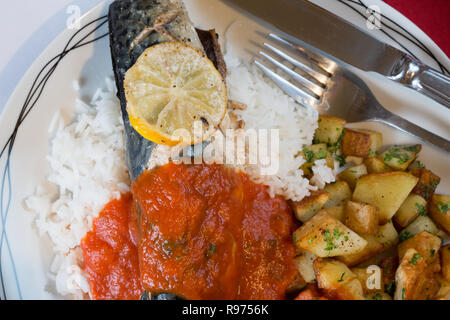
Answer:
x=423 y=79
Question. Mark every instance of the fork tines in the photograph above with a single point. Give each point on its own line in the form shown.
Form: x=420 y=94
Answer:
x=310 y=81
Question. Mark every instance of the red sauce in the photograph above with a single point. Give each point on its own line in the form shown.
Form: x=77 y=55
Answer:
x=110 y=256
x=311 y=293
x=208 y=232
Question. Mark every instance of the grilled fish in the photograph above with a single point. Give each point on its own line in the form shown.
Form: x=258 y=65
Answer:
x=134 y=26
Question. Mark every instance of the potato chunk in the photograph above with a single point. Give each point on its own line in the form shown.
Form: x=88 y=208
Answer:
x=339 y=193
x=411 y=208
x=444 y=290
x=426 y=244
x=352 y=174
x=337 y=280
x=315 y=152
x=309 y=206
x=337 y=212
x=427 y=183
x=354 y=160
x=326 y=236
x=375 y=165
x=330 y=130
x=439 y=211
x=361 y=143
x=422 y=223
x=385 y=238
x=387 y=235
x=445 y=262
x=416 y=280
x=372 y=248
x=361 y=218
x=305 y=265
x=400 y=157
x=387 y=191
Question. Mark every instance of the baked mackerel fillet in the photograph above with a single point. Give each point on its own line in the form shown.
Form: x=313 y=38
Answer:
x=135 y=25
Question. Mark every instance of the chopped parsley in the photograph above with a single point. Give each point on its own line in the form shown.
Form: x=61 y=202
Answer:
x=341 y=159
x=414 y=259
x=342 y=277
x=321 y=154
x=443 y=208
x=390 y=287
x=429 y=188
x=334 y=148
x=414 y=148
x=377 y=296
x=420 y=164
x=405 y=235
x=421 y=210
x=396 y=153
x=328 y=238
x=432 y=252
x=403 y=293
x=337 y=234
x=294 y=240
x=309 y=155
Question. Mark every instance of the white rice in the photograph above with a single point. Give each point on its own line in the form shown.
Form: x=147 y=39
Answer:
x=87 y=166
x=88 y=169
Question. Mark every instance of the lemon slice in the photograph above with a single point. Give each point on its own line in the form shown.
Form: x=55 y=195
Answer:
x=175 y=95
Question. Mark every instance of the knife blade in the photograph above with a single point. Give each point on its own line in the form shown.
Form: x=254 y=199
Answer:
x=339 y=39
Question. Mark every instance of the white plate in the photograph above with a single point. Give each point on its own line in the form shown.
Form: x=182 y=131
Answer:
x=25 y=256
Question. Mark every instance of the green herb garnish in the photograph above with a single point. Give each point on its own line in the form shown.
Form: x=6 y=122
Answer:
x=328 y=238
x=309 y=156
x=422 y=211
x=414 y=259
x=377 y=296
x=396 y=153
x=390 y=287
x=405 y=235
x=443 y=208
x=341 y=159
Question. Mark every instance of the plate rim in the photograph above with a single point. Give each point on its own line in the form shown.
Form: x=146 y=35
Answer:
x=8 y=111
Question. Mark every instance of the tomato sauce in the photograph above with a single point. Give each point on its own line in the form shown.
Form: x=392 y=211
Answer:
x=111 y=256
x=208 y=232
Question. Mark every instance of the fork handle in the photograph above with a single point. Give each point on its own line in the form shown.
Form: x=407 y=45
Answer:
x=402 y=124
x=423 y=79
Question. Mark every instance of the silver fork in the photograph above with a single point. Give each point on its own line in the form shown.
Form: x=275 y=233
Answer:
x=334 y=90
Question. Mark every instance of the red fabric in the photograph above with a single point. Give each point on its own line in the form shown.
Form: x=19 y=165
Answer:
x=432 y=16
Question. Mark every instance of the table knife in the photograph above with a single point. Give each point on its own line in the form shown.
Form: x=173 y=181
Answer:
x=316 y=27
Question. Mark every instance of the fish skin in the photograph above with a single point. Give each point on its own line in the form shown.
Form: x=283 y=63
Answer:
x=131 y=31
